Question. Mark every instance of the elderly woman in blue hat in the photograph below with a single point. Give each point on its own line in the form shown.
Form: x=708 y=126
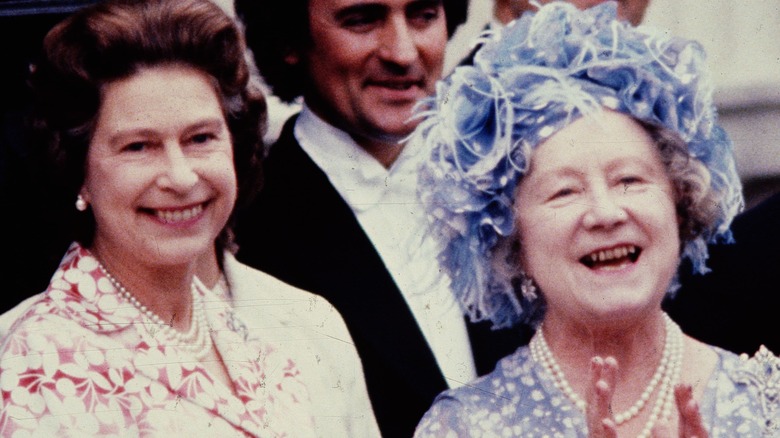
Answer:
x=573 y=168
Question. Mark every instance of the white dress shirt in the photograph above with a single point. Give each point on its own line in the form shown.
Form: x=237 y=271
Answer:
x=386 y=205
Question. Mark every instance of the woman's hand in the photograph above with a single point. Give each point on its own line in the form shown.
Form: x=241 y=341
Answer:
x=603 y=375
x=691 y=424
x=601 y=422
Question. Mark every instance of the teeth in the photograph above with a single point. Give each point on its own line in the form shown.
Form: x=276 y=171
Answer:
x=611 y=254
x=170 y=216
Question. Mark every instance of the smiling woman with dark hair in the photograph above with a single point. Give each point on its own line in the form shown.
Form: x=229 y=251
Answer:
x=573 y=167
x=148 y=113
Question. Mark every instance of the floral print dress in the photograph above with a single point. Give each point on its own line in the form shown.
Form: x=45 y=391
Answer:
x=81 y=361
x=519 y=399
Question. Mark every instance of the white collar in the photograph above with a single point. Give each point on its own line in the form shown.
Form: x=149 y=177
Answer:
x=357 y=176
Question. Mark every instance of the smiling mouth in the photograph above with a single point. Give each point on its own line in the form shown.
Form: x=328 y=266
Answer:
x=181 y=215
x=612 y=258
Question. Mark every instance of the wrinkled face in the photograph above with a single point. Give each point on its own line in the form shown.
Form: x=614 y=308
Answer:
x=370 y=61
x=597 y=221
x=159 y=172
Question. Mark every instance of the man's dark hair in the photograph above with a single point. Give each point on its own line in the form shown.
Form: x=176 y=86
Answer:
x=275 y=29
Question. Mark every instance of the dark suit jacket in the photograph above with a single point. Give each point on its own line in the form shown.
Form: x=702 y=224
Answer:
x=734 y=305
x=300 y=230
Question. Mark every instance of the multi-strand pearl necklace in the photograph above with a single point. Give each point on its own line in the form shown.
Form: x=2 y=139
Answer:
x=196 y=340
x=667 y=374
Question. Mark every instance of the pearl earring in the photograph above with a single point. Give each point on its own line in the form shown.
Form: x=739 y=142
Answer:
x=81 y=204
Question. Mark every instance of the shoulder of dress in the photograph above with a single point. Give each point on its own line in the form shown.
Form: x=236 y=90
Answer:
x=45 y=329
x=511 y=375
x=247 y=282
x=262 y=300
x=10 y=317
x=43 y=308
x=82 y=290
x=762 y=372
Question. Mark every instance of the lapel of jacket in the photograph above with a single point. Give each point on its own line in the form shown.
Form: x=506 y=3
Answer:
x=187 y=382
x=349 y=272
x=265 y=379
x=301 y=231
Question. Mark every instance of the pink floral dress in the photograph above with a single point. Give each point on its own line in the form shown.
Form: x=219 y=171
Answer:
x=84 y=362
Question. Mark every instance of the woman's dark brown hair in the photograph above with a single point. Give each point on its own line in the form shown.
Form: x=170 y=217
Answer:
x=113 y=40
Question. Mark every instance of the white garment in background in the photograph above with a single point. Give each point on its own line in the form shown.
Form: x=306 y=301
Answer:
x=309 y=329
x=386 y=205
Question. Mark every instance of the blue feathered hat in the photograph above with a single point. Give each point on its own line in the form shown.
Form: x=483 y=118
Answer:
x=528 y=81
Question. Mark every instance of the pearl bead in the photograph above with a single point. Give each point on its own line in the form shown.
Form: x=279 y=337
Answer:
x=195 y=341
x=666 y=375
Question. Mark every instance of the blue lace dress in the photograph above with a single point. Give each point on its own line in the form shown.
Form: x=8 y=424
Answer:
x=519 y=399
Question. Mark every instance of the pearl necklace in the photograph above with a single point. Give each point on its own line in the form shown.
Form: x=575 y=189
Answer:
x=667 y=373
x=196 y=340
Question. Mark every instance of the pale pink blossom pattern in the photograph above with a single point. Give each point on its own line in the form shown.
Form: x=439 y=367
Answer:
x=83 y=362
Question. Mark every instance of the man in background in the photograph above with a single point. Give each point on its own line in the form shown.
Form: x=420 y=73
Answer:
x=338 y=214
